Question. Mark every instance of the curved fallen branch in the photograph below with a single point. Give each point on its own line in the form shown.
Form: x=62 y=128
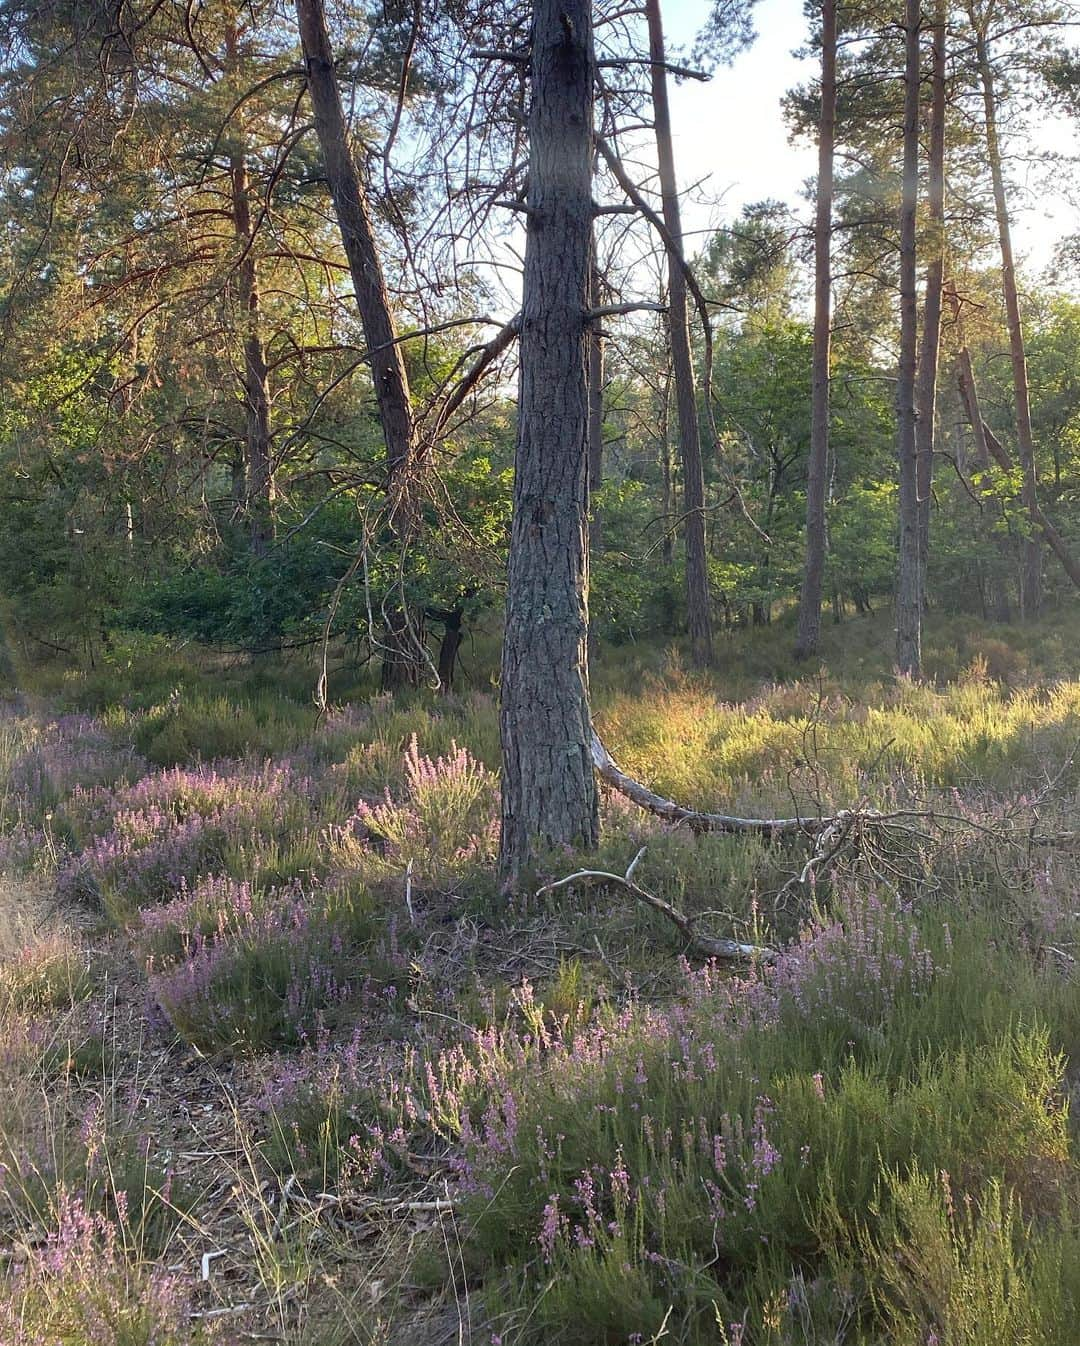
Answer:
x=698 y=821
x=704 y=946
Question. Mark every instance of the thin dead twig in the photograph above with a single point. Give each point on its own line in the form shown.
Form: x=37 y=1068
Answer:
x=704 y=946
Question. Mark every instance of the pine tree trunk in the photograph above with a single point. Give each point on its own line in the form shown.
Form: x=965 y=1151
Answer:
x=667 y=549
x=402 y=664
x=809 y=629
x=697 y=570
x=259 y=488
x=548 y=788
x=1031 y=562
x=452 y=638
x=926 y=426
x=908 y=578
x=596 y=413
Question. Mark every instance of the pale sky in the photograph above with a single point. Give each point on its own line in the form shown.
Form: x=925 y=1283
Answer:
x=731 y=131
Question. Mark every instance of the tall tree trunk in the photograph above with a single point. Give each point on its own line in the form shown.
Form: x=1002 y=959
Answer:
x=1031 y=563
x=697 y=571
x=995 y=591
x=908 y=579
x=809 y=629
x=388 y=374
x=996 y=596
x=259 y=488
x=548 y=788
x=596 y=410
x=989 y=446
x=926 y=425
x=667 y=548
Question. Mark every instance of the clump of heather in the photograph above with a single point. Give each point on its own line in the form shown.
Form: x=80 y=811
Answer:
x=242 y=968
x=169 y=828
x=43 y=761
x=447 y=816
x=82 y=1288
x=212 y=908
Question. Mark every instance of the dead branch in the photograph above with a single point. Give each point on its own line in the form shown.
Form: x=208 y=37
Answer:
x=704 y=946
x=697 y=820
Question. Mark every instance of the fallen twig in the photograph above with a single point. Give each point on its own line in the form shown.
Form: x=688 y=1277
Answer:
x=704 y=946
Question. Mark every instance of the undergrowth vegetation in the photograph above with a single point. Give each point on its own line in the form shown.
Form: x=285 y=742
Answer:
x=565 y=1130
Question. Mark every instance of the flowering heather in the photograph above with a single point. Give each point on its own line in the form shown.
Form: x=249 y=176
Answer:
x=214 y=907
x=447 y=817
x=500 y=1090
x=172 y=826
x=81 y=1288
x=47 y=760
x=230 y=967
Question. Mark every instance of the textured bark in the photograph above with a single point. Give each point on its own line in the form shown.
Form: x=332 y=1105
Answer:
x=596 y=410
x=926 y=426
x=259 y=488
x=809 y=629
x=908 y=578
x=548 y=788
x=697 y=571
x=667 y=548
x=358 y=237
x=1031 y=562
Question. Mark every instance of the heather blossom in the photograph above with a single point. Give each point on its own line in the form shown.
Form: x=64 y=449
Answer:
x=79 y=1286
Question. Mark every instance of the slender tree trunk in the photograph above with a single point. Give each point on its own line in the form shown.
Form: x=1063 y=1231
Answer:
x=1031 y=563
x=697 y=570
x=908 y=578
x=995 y=591
x=389 y=378
x=548 y=787
x=259 y=487
x=926 y=426
x=809 y=629
x=667 y=550
x=996 y=598
x=989 y=446
x=358 y=237
x=596 y=412
x=451 y=642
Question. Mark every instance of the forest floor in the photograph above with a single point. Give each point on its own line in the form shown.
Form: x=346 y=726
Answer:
x=279 y=1063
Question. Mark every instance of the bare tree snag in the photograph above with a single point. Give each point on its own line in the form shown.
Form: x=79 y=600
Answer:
x=908 y=578
x=549 y=793
x=697 y=571
x=809 y=630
